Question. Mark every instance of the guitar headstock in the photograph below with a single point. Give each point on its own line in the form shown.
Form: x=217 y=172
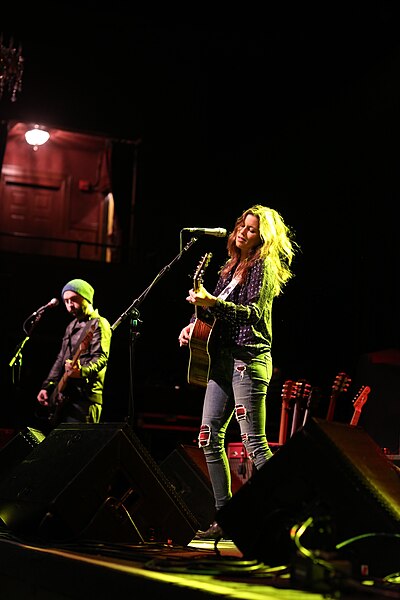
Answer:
x=361 y=397
x=341 y=383
x=314 y=398
x=303 y=390
x=199 y=273
x=289 y=392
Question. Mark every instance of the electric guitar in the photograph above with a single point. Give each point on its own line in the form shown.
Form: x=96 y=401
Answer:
x=340 y=385
x=358 y=402
x=289 y=391
x=57 y=399
x=303 y=391
x=200 y=360
x=312 y=403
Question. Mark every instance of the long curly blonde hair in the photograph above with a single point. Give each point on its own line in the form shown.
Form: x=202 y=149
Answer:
x=277 y=246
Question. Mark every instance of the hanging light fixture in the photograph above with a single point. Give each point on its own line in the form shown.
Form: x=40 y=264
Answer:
x=11 y=69
x=37 y=136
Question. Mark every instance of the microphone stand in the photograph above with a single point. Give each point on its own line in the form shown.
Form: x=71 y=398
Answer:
x=16 y=361
x=135 y=321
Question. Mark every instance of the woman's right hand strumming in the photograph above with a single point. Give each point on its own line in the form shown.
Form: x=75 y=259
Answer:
x=184 y=335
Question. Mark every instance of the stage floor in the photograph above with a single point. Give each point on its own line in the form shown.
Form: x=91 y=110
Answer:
x=98 y=490
x=30 y=571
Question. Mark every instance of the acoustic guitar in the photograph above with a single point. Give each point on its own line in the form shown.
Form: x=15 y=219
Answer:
x=301 y=396
x=199 y=359
x=57 y=399
x=312 y=403
x=289 y=393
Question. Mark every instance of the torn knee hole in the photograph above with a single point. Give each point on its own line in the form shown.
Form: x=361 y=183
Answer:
x=204 y=435
x=240 y=412
x=241 y=369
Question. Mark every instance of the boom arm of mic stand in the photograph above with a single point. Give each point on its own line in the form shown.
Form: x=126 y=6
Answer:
x=16 y=363
x=128 y=311
x=132 y=308
x=18 y=354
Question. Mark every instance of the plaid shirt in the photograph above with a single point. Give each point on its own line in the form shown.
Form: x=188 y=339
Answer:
x=244 y=319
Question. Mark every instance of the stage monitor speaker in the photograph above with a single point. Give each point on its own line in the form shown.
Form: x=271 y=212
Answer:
x=94 y=481
x=330 y=472
x=18 y=448
x=186 y=469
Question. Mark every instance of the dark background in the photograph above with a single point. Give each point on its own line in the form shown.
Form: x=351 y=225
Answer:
x=296 y=107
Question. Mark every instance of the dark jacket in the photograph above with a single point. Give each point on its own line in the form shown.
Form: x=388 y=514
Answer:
x=93 y=358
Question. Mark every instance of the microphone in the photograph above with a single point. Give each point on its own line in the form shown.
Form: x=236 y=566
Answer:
x=217 y=231
x=53 y=302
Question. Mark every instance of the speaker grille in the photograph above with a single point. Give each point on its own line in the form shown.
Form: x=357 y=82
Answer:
x=18 y=448
x=185 y=468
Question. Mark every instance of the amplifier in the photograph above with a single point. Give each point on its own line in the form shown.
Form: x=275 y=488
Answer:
x=240 y=464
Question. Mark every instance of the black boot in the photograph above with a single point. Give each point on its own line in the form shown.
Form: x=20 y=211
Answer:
x=214 y=532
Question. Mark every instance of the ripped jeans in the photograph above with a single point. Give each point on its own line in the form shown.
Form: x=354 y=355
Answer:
x=236 y=386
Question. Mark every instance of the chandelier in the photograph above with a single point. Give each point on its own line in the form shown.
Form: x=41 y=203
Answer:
x=11 y=69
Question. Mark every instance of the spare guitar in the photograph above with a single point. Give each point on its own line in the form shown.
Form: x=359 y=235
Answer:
x=313 y=400
x=57 y=399
x=340 y=385
x=288 y=398
x=303 y=391
x=358 y=402
x=199 y=359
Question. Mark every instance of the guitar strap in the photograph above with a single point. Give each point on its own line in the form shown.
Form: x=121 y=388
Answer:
x=228 y=289
x=82 y=336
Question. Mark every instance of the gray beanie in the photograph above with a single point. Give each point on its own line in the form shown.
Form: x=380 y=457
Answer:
x=81 y=287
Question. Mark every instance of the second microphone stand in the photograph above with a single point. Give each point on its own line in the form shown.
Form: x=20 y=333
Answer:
x=16 y=361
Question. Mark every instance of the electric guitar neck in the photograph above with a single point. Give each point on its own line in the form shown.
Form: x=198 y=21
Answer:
x=358 y=402
x=340 y=385
x=58 y=399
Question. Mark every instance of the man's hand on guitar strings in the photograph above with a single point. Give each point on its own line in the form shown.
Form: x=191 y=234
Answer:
x=73 y=371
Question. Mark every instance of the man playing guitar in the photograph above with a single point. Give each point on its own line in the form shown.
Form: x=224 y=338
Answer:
x=73 y=389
